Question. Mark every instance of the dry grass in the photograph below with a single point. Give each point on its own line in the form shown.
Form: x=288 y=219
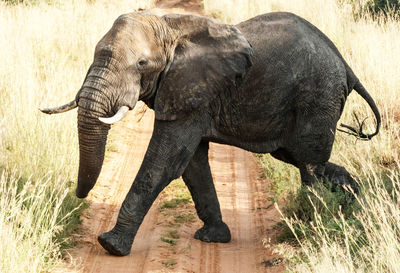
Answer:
x=45 y=52
x=371 y=48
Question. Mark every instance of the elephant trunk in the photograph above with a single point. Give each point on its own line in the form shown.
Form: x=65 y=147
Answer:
x=93 y=103
x=92 y=142
x=102 y=95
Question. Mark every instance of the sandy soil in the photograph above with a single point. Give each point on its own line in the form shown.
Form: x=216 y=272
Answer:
x=242 y=194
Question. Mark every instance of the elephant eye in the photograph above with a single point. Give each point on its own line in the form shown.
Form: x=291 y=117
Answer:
x=141 y=63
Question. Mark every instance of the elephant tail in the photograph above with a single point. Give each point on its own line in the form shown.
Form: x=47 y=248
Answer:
x=359 y=132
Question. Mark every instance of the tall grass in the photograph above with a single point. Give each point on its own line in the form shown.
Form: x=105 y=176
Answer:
x=45 y=52
x=368 y=240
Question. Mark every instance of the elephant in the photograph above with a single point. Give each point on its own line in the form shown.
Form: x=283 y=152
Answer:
x=272 y=84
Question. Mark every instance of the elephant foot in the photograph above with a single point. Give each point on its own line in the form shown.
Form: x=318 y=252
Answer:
x=339 y=177
x=216 y=233
x=116 y=243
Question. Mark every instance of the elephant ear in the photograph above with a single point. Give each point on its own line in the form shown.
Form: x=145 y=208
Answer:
x=209 y=57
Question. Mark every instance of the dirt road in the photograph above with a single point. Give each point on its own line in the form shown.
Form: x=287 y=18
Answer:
x=244 y=203
x=241 y=191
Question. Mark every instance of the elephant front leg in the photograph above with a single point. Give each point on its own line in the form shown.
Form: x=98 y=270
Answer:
x=198 y=179
x=170 y=150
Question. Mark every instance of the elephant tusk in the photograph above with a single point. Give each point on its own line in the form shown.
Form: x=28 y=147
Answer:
x=60 y=109
x=117 y=117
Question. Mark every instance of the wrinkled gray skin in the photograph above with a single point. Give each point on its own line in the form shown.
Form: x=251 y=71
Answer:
x=272 y=84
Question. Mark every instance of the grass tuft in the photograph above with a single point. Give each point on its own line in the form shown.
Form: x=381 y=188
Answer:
x=185 y=218
x=173 y=234
x=174 y=202
x=169 y=263
x=168 y=241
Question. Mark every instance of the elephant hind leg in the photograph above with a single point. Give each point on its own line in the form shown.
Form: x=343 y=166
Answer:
x=309 y=172
x=311 y=143
x=309 y=149
x=198 y=179
x=337 y=175
x=324 y=171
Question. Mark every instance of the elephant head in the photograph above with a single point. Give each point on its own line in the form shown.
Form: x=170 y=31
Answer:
x=176 y=64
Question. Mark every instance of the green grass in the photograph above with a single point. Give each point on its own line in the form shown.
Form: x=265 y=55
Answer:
x=377 y=8
x=285 y=178
x=173 y=234
x=319 y=202
x=184 y=218
x=168 y=241
x=175 y=197
x=177 y=193
x=174 y=202
x=169 y=263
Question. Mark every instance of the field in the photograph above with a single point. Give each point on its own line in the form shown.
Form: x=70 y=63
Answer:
x=45 y=55
x=45 y=52
x=334 y=235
